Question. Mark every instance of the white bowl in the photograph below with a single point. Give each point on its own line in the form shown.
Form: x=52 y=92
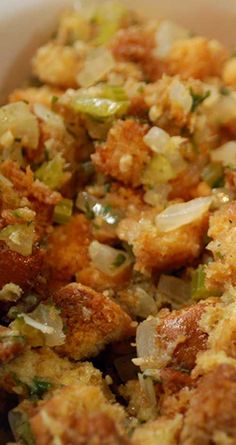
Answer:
x=24 y=24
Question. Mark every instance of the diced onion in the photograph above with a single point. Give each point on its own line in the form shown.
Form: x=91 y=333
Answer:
x=179 y=215
x=10 y=292
x=156 y=139
x=146 y=338
x=172 y=291
x=166 y=35
x=225 y=154
x=46 y=320
x=19 y=238
x=49 y=117
x=180 y=96
x=108 y=260
x=99 y=62
x=18 y=119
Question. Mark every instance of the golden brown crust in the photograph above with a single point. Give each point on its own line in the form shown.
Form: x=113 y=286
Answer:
x=124 y=154
x=183 y=324
x=19 y=269
x=67 y=251
x=84 y=418
x=162 y=252
x=211 y=417
x=91 y=319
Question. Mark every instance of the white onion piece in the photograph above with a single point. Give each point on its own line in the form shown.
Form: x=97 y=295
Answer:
x=146 y=338
x=180 y=96
x=225 y=154
x=47 y=320
x=172 y=290
x=156 y=139
x=166 y=35
x=18 y=119
x=106 y=258
x=99 y=62
x=179 y=215
x=49 y=117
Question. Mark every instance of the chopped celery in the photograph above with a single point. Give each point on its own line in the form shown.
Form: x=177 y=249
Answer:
x=108 y=18
x=19 y=423
x=63 y=211
x=213 y=174
x=113 y=92
x=100 y=102
x=159 y=170
x=52 y=172
x=198 y=287
x=19 y=238
x=100 y=108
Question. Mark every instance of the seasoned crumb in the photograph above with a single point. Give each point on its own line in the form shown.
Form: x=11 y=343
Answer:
x=32 y=95
x=162 y=431
x=67 y=251
x=197 y=57
x=84 y=418
x=124 y=155
x=57 y=65
x=91 y=319
x=222 y=271
x=162 y=252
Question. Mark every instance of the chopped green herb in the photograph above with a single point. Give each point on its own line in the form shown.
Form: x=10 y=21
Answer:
x=18 y=139
x=52 y=172
x=198 y=288
x=38 y=388
x=107 y=187
x=119 y=260
x=198 y=98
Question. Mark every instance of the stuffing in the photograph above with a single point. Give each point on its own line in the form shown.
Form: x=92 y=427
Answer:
x=210 y=418
x=221 y=272
x=117 y=237
x=124 y=154
x=136 y=45
x=20 y=375
x=84 y=418
x=179 y=333
x=11 y=345
x=162 y=251
x=57 y=65
x=196 y=57
x=67 y=250
x=91 y=319
x=229 y=72
x=139 y=404
x=18 y=269
x=43 y=95
x=163 y=430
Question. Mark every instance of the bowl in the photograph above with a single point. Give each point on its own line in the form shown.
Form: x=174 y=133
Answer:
x=26 y=24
